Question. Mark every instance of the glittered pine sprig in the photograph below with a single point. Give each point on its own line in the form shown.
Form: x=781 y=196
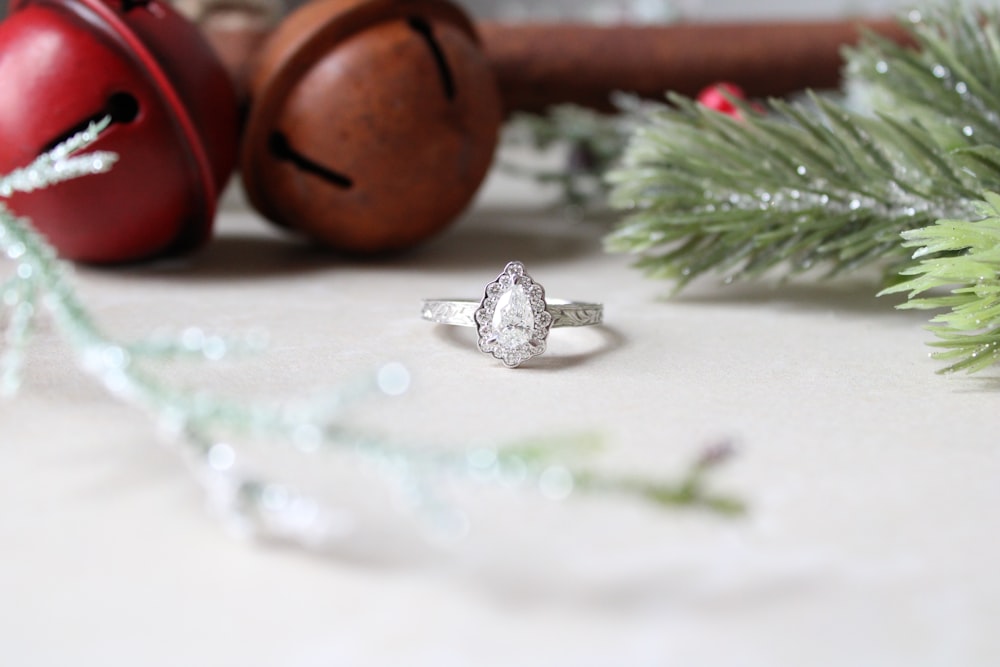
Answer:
x=796 y=189
x=39 y=278
x=818 y=185
x=225 y=440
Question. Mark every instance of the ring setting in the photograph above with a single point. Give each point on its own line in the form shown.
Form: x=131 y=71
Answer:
x=513 y=319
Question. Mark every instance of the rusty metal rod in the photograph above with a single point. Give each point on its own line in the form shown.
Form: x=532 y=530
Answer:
x=538 y=65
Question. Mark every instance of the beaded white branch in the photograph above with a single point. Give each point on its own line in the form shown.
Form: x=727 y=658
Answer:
x=217 y=435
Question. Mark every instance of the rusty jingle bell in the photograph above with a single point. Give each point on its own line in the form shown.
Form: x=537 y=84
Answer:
x=372 y=122
x=173 y=114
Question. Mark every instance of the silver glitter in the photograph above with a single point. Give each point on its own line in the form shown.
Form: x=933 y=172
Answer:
x=393 y=379
x=221 y=457
x=556 y=483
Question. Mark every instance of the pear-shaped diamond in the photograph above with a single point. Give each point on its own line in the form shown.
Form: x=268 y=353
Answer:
x=513 y=319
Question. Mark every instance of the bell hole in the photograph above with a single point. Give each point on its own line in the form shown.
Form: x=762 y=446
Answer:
x=120 y=107
x=420 y=26
x=282 y=150
x=129 y=5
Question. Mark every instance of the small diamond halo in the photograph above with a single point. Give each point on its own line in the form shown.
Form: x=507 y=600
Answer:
x=512 y=320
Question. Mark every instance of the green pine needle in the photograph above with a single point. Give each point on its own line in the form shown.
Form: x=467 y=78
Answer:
x=951 y=82
x=961 y=273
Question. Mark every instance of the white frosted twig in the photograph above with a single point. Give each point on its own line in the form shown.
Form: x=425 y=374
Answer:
x=61 y=163
x=217 y=434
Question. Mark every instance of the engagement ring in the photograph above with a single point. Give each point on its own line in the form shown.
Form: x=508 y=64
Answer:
x=513 y=318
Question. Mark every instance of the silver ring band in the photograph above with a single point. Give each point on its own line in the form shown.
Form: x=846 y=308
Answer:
x=462 y=312
x=513 y=318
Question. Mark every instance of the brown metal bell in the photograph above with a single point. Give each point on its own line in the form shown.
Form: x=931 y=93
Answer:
x=372 y=123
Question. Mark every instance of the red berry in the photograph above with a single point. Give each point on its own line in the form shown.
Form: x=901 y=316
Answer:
x=718 y=98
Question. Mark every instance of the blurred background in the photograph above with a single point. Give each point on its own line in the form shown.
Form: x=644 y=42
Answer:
x=604 y=11
x=671 y=10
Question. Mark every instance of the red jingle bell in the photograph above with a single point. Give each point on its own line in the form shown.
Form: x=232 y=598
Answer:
x=372 y=124
x=173 y=114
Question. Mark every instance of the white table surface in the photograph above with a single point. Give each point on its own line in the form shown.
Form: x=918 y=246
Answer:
x=873 y=483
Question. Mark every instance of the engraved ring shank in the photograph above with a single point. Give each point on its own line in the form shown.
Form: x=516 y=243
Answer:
x=462 y=312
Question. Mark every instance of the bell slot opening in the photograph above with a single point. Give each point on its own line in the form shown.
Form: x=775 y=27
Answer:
x=282 y=149
x=122 y=108
x=420 y=26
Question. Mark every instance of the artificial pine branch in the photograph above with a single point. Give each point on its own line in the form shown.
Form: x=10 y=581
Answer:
x=962 y=257
x=811 y=186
